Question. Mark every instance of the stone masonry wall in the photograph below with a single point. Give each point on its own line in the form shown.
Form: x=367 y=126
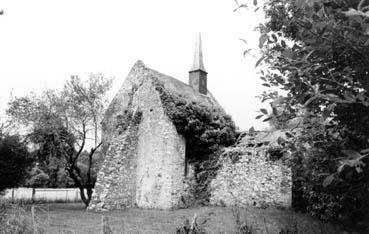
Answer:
x=144 y=163
x=115 y=184
x=250 y=178
x=161 y=157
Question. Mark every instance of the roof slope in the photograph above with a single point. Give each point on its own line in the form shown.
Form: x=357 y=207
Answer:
x=175 y=86
x=140 y=73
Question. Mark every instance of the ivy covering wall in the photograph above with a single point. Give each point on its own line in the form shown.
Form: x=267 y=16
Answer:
x=207 y=129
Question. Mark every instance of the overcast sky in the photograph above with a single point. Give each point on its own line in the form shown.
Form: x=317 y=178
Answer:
x=43 y=42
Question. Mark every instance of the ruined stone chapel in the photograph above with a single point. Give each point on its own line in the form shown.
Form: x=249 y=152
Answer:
x=145 y=162
x=146 y=158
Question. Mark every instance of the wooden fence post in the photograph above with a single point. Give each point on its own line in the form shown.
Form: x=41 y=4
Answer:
x=105 y=229
x=48 y=218
x=33 y=195
x=33 y=219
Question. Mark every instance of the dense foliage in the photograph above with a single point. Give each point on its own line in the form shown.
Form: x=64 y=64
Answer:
x=60 y=124
x=14 y=161
x=206 y=130
x=317 y=52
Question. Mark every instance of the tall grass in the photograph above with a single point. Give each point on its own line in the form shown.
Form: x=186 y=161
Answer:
x=14 y=219
x=246 y=222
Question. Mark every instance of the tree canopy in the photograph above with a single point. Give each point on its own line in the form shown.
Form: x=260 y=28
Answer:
x=316 y=51
x=14 y=161
x=62 y=123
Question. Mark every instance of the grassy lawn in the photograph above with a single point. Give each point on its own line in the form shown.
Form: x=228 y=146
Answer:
x=72 y=218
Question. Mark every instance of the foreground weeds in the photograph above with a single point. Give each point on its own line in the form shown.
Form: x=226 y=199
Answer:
x=194 y=227
x=14 y=219
x=246 y=222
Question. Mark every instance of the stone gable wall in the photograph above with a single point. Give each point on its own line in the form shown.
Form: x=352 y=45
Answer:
x=144 y=163
x=160 y=155
x=252 y=179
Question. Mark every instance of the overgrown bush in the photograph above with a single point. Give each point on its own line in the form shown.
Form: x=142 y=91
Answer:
x=326 y=193
x=317 y=53
x=205 y=128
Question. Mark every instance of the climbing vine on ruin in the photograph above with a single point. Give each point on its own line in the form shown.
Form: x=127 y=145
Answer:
x=206 y=130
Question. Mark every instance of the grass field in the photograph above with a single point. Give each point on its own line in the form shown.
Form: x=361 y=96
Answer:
x=72 y=218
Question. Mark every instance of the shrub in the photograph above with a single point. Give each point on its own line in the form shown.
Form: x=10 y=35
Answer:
x=317 y=53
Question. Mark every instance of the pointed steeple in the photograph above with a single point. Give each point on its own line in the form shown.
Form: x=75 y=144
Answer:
x=197 y=61
x=197 y=74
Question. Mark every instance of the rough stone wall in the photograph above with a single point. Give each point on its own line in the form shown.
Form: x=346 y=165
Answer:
x=115 y=184
x=250 y=178
x=161 y=157
x=144 y=163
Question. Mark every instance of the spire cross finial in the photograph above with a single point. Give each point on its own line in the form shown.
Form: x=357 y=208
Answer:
x=197 y=62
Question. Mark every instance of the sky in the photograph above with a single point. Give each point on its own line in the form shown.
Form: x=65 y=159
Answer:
x=43 y=43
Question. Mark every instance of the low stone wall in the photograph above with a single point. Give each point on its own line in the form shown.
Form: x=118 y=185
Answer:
x=250 y=178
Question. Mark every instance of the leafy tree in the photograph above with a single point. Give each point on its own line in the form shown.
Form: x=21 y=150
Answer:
x=317 y=52
x=14 y=161
x=37 y=178
x=61 y=123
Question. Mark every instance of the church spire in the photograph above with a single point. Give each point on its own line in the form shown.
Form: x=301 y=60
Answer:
x=197 y=74
x=197 y=62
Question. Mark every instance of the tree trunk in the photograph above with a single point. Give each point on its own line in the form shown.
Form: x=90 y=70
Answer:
x=85 y=200
x=86 y=197
x=89 y=194
x=83 y=196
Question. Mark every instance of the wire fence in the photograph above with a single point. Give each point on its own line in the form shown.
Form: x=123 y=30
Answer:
x=41 y=223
